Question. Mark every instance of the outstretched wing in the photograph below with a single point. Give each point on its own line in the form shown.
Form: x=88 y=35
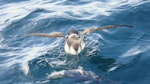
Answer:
x=53 y=35
x=88 y=30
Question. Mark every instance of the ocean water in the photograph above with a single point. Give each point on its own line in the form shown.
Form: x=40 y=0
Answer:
x=115 y=56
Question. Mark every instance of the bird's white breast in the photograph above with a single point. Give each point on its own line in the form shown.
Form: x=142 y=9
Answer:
x=71 y=50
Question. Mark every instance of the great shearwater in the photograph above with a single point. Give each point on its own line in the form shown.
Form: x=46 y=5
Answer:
x=75 y=42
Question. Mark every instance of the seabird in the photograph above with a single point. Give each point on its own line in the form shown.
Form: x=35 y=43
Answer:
x=75 y=42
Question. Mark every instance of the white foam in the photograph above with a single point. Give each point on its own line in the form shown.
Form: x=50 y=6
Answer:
x=56 y=75
x=25 y=68
x=1 y=39
x=113 y=68
x=23 y=55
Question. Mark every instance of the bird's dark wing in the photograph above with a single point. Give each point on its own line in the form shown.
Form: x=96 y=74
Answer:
x=88 y=30
x=113 y=26
x=53 y=35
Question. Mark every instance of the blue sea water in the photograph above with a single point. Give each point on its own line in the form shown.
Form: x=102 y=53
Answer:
x=115 y=56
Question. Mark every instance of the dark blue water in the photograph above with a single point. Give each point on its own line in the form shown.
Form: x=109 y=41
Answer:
x=116 y=56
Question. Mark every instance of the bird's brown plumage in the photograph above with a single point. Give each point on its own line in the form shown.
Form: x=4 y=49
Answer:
x=74 y=41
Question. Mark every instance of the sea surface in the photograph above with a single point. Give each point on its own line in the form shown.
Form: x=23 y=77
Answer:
x=113 y=56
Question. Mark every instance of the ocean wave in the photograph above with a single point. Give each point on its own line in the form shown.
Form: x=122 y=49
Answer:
x=29 y=55
x=79 y=76
x=90 y=10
